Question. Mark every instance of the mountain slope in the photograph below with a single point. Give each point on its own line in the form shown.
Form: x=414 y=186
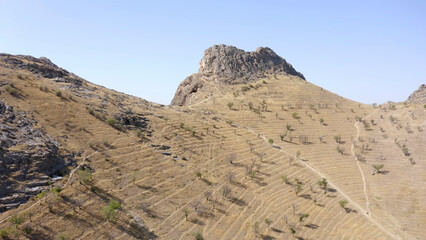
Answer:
x=209 y=167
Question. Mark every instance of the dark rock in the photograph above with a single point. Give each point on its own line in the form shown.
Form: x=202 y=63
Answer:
x=27 y=157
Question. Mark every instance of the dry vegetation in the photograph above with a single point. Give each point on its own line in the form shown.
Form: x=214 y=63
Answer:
x=276 y=159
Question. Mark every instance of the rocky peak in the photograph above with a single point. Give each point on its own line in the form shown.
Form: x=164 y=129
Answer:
x=230 y=65
x=418 y=96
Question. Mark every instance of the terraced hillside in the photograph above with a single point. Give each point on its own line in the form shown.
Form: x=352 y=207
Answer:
x=273 y=158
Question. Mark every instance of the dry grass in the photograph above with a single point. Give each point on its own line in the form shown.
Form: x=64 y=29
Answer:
x=155 y=189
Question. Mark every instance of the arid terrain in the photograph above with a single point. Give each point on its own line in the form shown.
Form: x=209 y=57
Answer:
x=248 y=149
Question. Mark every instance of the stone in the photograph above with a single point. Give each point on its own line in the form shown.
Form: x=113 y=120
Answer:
x=229 y=65
x=418 y=96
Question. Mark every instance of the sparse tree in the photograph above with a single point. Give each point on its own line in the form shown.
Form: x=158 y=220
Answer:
x=343 y=203
x=186 y=213
x=85 y=176
x=338 y=139
x=295 y=115
x=303 y=216
x=293 y=231
x=208 y=195
x=378 y=167
x=298 y=189
x=226 y=191
x=298 y=154
x=252 y=174
x=323 y=184
x=340 y=150
x=230 y=105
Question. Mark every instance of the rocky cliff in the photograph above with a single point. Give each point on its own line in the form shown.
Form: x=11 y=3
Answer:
x=418 y=96
x=229 y=65
x=28 y=158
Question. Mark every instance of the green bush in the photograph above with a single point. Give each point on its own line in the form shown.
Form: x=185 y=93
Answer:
x=245 y=88
x=114 y=204
x=111 y=122
x=109 y=213
x=58 y=93
x=63 y=236
x=12 y=91
x=85 y=176
x=17 y=219
x=41 y=195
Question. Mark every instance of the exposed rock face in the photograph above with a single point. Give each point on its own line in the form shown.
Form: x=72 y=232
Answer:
x=40 y=66
x=230 y=65
x=28 y=158
x=418 y=96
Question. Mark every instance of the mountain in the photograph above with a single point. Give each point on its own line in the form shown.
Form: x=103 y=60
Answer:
x=255 y=152
x=229 y=65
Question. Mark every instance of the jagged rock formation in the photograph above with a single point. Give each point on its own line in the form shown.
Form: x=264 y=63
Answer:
x=418 y=96
x=28 y=158
x=230 y=65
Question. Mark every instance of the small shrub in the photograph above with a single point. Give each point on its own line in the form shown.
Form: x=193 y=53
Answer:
x=338 y=139
x=343 y=203
x=230 y=105
x=111 y=122
x=12 y=91
x=245 y=88
x=63 y=236
x=340 y=150
x=295 y=115
x=198 y=236
x=91 y=111
x=85 y=176
x=270 y=141
x=58 y=93
x=27 y=229
x=17 y=219
x=114 y=204
x=109 y=213
x=250 y=104
x=4 y=233
x=303 y=216
x=378 y=167
x=41 y=195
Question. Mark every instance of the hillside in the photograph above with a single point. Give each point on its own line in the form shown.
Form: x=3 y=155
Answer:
x=242 y=155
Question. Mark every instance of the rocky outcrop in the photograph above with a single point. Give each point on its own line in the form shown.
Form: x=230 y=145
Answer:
x=40 y=66
x=28 y=158
x=418 y=96
x=229 y=65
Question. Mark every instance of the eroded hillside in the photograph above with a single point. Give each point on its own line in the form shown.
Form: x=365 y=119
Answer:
x=269 y=157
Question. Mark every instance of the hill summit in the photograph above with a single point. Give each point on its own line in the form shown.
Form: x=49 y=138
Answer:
x=229 y=65
x=418 y=96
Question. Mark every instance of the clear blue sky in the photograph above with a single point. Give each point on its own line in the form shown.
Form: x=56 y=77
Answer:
x=368 y=51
